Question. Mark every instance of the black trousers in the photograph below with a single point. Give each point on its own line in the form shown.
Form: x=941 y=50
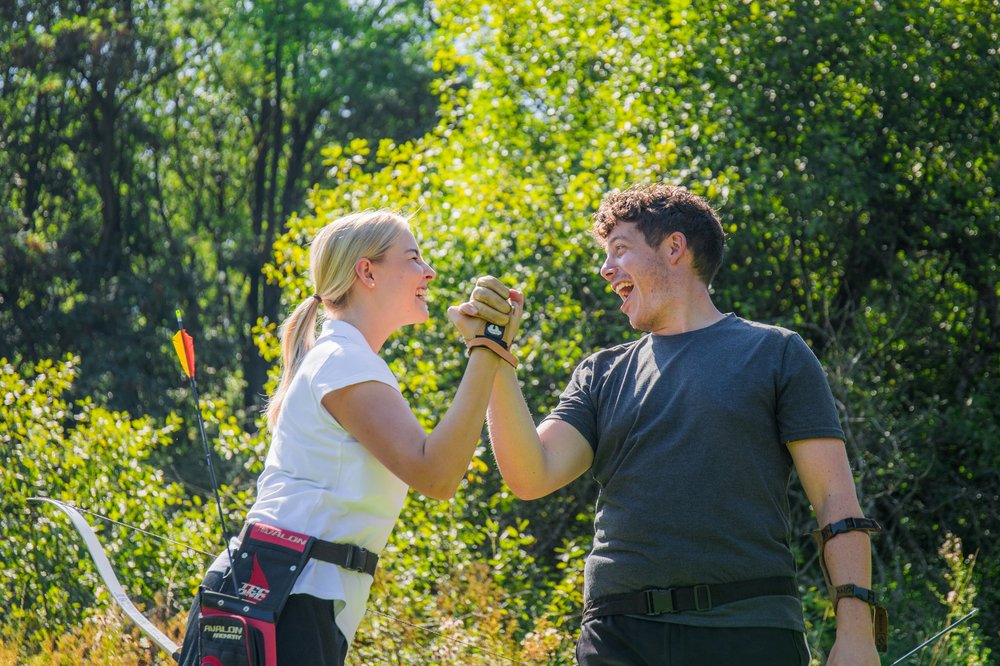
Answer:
x=621 y=640
x=306 y=634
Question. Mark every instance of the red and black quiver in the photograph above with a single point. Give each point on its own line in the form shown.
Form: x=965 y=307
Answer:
x=239 y=629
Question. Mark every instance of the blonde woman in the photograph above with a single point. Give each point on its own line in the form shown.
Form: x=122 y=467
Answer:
x=345 y=449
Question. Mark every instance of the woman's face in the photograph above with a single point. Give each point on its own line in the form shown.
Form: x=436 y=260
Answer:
x=402 y=276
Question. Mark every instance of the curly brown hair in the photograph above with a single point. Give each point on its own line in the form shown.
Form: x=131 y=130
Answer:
x=659 y=210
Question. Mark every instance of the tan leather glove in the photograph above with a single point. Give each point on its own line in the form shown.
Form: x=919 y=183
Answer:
x=497 y=311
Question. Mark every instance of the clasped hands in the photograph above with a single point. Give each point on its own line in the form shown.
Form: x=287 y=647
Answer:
x=490 y=304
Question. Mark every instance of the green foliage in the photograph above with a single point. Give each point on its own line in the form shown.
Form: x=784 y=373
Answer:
x=850 y=147
x=106 y=638
x=934 y=599
x=828 y=137
x=963 y=644
x=451 y=590
x=151 y=153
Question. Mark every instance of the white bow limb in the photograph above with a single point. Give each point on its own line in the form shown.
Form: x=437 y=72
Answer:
x=108 y=576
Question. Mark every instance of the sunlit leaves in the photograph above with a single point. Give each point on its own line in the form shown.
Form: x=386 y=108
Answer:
x=828 y=136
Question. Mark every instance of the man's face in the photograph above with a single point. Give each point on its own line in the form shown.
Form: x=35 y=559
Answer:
x=639 y=275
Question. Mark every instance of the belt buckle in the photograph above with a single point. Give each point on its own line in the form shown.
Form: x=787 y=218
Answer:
x=368 y=563
x=702 y=592
x=659 y=602
x=360 y=559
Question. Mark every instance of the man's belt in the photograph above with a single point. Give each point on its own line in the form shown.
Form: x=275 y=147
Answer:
x=345 y=555
x=693 y=598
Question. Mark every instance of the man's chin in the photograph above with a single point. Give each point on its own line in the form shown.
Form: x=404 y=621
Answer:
x=639 y=325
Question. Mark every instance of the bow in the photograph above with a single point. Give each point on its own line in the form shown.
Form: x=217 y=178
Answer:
x=107 y=574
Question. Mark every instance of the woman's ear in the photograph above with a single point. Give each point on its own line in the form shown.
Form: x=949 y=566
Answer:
x=363 y=269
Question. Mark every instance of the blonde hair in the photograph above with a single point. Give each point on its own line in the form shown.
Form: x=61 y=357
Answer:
x=333 y=253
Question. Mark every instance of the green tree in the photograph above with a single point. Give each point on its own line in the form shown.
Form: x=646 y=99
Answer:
x=151 y=154
x=299 y=74
x=73 y=452
x=79 y=225
x=851 y=150
x=866 y=217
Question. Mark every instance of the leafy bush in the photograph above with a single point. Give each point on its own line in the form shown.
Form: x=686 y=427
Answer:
x=851 y=149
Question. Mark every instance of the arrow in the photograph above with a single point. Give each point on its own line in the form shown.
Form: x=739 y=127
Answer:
x=935 y=637
x=184 y=346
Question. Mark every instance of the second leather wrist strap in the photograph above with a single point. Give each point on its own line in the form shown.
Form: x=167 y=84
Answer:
x=493 y=346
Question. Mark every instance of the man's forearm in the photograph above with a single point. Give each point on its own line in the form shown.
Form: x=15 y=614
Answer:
x=516 y=445
x=848 y=560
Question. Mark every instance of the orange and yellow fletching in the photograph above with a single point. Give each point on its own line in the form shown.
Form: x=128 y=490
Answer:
x=184 y=346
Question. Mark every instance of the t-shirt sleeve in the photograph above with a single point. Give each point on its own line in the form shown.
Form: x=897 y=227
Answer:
x=806 y=409
x=577 y=405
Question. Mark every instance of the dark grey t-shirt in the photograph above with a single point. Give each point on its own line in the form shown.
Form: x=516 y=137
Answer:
x=689 y=434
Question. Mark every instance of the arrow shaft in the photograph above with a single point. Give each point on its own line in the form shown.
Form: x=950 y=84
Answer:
x=211 y=473
x=188 y=363
x=935 y=637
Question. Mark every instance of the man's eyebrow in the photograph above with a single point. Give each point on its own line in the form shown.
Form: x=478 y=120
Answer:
x=614 y=237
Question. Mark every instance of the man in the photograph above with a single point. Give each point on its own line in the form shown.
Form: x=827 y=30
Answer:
x=691 y=432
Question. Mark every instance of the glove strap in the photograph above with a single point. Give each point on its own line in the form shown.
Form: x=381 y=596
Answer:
x=496 y=347
x=835 y=529
x=880 y=620
x=846 y=525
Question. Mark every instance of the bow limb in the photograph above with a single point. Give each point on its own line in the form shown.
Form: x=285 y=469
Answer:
x=108 y=576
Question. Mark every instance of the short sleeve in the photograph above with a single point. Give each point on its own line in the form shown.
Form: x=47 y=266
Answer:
x=344 y=368
x=577 y=404
x=805 y=408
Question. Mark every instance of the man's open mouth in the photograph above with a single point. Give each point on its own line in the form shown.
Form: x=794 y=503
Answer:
x=623 y=289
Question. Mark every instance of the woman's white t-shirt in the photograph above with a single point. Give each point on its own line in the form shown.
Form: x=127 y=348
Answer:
x=320 y=481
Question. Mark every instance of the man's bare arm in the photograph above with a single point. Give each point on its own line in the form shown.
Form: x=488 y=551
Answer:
x=533 y=461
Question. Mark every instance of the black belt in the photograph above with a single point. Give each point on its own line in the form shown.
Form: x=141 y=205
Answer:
x=694 y=598
x=345 y=555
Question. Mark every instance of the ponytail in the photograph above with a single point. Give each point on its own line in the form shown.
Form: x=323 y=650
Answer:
x=298 y=336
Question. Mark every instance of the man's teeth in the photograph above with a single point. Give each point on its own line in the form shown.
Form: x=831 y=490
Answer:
x=623 y=289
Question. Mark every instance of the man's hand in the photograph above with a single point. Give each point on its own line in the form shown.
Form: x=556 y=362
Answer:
x=853 y=652
x=855 y=644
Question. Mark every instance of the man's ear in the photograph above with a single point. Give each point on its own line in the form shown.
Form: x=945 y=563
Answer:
x=674 y=247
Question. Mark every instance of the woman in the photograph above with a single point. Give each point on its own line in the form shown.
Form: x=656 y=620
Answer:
x=346 y=446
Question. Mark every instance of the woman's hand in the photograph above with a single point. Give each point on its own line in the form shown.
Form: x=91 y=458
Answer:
x=491 y=303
